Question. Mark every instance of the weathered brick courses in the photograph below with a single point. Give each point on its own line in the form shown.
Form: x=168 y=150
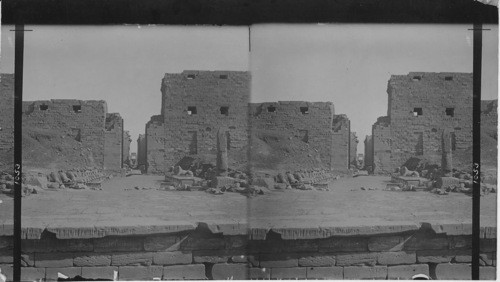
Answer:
x=192 y=104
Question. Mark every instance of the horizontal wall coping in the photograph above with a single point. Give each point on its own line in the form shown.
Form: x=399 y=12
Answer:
x=79 y=230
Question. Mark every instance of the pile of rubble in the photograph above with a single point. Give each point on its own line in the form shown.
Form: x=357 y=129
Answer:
x=34 y=183
x=305 y=179
x=435 y=179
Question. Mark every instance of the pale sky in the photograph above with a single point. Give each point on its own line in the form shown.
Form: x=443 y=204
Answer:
x=348 y=65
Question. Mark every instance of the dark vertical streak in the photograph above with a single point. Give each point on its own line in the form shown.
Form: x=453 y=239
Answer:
x=18 y=107
x=476 y=149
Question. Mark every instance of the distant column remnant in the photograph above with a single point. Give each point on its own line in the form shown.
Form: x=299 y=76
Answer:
x=222 y=163
x=446 y=159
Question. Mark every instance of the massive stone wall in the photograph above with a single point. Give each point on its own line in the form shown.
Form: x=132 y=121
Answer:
x=420 y=106
x=82 y=120
x=196 y=104
x=7 y=119
x=155 y=145
x=113 y=151
x=200 y=255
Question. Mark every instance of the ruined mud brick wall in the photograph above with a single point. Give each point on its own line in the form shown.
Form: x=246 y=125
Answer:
x=340 y=148
x=196 y=104
x=381 y=132
x=420 y=106
x=82 y=120
x=113 y=145
x=310 y=122
x=126 y=146
x=280 y=254
x=7 y=118
x=141 y=150
x=353 y=152
x=368 y=161
x=155 y=145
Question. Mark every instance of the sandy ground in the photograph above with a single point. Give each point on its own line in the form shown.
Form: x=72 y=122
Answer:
x=345 y=204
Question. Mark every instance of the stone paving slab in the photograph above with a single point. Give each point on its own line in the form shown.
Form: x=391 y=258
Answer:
x=345 y=210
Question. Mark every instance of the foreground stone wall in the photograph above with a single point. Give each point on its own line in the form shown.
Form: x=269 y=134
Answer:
x=82 y=120
x=420 y=106
x=7 y=118
x=196 y=104
x=113 y=151
x=155 y=146
x=201 y=254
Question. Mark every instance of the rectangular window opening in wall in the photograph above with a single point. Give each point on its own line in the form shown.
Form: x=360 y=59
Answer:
x=271 y=109
x=417 y=112
x=304 y=110
x=44 y=107
x=450 y=112
x=191 y=110
x=77 y=109
x=224 y=111
x=417 y=78
x=223 y=76
x=448 y=78
x=193 y=142
x=190 y=76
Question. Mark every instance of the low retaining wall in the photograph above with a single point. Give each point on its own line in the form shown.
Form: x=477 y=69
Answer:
x=200 y=254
